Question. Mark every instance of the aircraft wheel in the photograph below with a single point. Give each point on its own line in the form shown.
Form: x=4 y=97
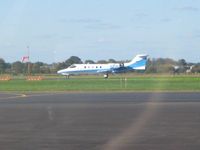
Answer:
x=67 y=76
x=105 y=76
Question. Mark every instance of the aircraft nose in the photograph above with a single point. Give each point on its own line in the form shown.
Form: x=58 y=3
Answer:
x=59 y=71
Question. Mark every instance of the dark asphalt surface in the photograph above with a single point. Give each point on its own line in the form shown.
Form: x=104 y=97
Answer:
x=101 y=121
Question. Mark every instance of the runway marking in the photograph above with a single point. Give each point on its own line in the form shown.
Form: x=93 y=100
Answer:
x=14 y=97
x=50 y=113
x=42 y=94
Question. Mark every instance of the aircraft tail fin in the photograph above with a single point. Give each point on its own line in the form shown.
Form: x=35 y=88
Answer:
x=138 y=62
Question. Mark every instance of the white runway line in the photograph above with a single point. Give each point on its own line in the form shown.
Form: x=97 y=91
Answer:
x=50 y=113
x=14 y=96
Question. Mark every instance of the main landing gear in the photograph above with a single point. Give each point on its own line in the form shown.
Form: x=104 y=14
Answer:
x=105 y=75
x=66 y=76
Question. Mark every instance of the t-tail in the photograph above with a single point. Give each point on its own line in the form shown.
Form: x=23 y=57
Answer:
x=137 y=63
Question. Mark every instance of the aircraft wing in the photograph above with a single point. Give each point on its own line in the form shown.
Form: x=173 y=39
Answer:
x=103 y=71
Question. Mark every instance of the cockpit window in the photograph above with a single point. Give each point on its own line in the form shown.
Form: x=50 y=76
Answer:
x=72 y=66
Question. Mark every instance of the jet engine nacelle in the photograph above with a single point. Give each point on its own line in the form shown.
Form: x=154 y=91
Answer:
x=117 y=66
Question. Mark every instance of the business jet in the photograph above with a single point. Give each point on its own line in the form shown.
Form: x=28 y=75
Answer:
x=137 y=63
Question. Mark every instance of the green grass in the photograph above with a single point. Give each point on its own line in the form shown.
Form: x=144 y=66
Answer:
x=144 y=83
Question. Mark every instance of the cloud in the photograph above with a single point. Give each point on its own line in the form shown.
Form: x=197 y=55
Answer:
x=138 y=17
x=103 y=40
x=90 y=23
x=83 y=20
x=66 y=37
x=141 y=15
x=52 y=36
x=196 y=35
x=188 y=8
x=165 y=20
x=103 y=26
x=46 y=36
x=8 y=44
x=143 y=27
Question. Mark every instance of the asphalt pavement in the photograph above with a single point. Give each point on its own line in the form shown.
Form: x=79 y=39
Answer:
x=100 y=121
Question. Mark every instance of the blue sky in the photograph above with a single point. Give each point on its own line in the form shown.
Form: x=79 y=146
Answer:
x=99 y=29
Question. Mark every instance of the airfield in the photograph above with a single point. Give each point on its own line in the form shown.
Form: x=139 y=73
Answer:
x=115 y=83
x=100 y=121
x=91 y=113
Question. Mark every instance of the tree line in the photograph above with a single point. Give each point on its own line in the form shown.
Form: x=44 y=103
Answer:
x=159 y=65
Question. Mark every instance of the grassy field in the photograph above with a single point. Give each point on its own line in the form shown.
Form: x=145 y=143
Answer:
x=97 y=83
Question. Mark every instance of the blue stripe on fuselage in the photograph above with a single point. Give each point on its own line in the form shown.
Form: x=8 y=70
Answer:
x=88 y=71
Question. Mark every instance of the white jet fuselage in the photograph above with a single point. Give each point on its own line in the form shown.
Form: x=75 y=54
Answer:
x=138 y=63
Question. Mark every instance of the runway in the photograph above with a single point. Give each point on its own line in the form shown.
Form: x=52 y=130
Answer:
x=100 y=121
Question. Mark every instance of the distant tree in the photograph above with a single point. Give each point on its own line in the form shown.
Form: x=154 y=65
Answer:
x=182 y=62
x=27 y=68
x=89 y=62
x=36 y=67
x=182 y=66
x=45 y=69
x=196 y=68
x=2 y=66
x=73 y=60
x=151 y=66
x=160 y=65
x=164 y=61
x=60 y=66
x=112 y=61
x=17 y=67
x=166 y=68
x=8 y=68
x=102 y=62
